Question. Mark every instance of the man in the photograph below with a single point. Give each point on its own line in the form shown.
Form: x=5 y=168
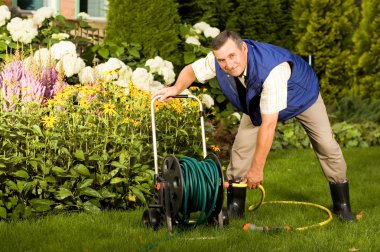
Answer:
x=268 y=84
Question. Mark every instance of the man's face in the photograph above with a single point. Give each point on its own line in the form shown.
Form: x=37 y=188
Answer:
x=231 y=58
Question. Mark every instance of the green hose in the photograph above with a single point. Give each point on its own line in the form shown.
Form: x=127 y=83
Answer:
x=200 y=189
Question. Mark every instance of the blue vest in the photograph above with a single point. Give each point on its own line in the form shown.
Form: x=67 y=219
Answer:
x=303 y=87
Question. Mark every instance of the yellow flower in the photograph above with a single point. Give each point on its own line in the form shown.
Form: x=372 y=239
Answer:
x=131 y=197
x=215 y=148
x=49 y=121
x=130 y=120
x=134 y=122
x=50 y=103
x=84 y=103
x=109 y=108
x=177 y=107
x=194 y=88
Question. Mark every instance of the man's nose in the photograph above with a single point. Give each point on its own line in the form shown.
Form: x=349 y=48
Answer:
x=228 y=64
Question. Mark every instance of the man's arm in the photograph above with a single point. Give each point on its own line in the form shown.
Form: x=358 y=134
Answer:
x=202 y=70
x=255 y=175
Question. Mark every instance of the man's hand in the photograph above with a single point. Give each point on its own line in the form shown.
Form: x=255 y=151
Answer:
x=184 y=80
x=166 y=93
x=254 y=178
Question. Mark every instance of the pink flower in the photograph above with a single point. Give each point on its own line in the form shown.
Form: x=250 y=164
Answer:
x=17 y=84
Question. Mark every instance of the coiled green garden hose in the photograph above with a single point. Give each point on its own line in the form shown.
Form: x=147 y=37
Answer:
x=201 y=187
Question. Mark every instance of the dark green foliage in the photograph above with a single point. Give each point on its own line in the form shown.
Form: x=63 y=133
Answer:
x=153 y=24
x=324 y=30
x=265 y=21
x=355 y=110
x=214 y=12
x=189 y=11
x=365 y=61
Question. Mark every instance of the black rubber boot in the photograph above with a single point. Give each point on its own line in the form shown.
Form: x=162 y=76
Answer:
x=235 y=200
x=341 y=201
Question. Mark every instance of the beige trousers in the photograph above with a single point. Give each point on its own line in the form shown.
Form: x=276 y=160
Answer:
x=316 y=123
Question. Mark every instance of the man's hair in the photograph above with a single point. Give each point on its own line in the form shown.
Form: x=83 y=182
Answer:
x=222 y=38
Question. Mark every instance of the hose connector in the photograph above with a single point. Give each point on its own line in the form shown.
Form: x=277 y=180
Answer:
x=266 y=229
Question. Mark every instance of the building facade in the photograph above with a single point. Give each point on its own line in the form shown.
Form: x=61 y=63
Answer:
x=67 y=8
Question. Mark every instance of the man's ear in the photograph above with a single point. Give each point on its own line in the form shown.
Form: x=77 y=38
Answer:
x=244 y=47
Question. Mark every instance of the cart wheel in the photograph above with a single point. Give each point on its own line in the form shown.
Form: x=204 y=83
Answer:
x=151 y=218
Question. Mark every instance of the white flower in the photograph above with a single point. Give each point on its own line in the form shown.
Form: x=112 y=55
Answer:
x=211 y=32
x=207 y=100
x=121 y=83
x=5 y=14
x=200 y=27
x=63 y=48
x=22 y=30
x=161 y=67
x=83 y=15
x=112 y=69
x=193 y=40
x=168 y=74
x=125 y=73
x=60 y=36
x=70 y=65
x=41 y=14
x=87 y=75
x=115 y=63
x=42 y=57
x=155 y=64
x=142 y=79
x=156 y=85
x=237 y=115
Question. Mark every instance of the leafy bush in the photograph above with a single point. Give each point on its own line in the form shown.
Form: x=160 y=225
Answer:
x=88 y=148
x=292 y=135
x=356 y=110
x=127 y=22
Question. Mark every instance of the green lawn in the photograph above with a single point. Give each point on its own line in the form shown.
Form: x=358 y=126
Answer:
x=290 y=175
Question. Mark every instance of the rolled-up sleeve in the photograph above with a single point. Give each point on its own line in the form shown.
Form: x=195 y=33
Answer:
x=204 y=68
x=275 y=90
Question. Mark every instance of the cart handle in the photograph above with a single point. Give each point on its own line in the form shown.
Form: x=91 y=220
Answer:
x=154 y=126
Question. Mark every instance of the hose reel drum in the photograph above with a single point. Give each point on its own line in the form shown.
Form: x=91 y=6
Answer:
x=172 y=186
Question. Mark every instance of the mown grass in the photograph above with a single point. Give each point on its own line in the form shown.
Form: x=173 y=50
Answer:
x=290 y=175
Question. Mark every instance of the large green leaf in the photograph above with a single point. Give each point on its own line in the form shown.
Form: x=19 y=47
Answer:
x=104 y=52
x=138 y=194
x=118 y=165
x=63 y=193
x=11 y=185
x=79 y=154
x=106 y=193
x=82 y=170
x=41 y=205
x=90 y=192
x=117 y=180
x=58 y=170
x=36 y=129
x=3 y=213
x=91 y=208
x=21 y=174
x=85 y=183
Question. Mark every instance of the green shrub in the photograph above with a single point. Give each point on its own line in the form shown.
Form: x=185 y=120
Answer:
x=153 y=24
x=88 y=149
x=355 y=110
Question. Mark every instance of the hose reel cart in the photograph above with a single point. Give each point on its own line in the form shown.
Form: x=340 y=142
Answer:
x=185 y=186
